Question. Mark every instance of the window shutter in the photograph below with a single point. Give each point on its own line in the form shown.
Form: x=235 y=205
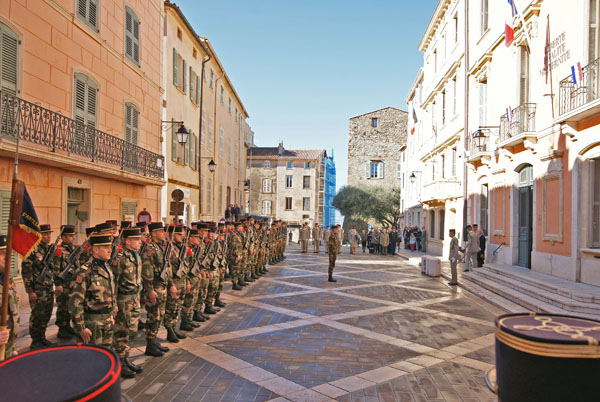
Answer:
x=128 y=119
x=195 y=152
x=82 y=9
x=4 y=218
x=186 y=151
x=86 y=96
x=80 y=90
x=128 y=208
x=93 y=13
x=128 y=33
x=136 y=39
x=92 y=92
x=131 y=123
x=198 y=92
x=9 y=45
x=380 y=175
x=203 y=129
x=175 y=68
x=174 y=143
x=191 y=84
x=184 y=83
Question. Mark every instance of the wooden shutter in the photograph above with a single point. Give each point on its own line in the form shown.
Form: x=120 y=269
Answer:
x=184 y=74
x=131 y=123
x=368 y=170
x=86 y=98
x=128 y=208
x=191 y=84
x=381 y=165
x=132 y=35
x=9 y=45
x=175 y=68
x=4 y=217
x=82 y=9
x=186 y=151
x=174 y=143
x=198 y=92
x=93 y=13
x=195 y=152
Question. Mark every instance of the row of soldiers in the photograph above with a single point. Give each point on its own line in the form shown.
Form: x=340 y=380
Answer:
x=176 y=273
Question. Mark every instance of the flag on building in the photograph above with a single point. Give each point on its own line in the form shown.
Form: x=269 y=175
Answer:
x=577 y=73
x=413 y=115
x=26 y=233
x=509 y=114
x=509 y=31
x=547 y=51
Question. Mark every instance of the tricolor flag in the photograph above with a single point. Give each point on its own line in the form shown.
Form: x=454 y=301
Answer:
x=26 y=234
x=509 y=32
x=414 y=117
x=509 y=113
x=470 y=137
x=576 y=72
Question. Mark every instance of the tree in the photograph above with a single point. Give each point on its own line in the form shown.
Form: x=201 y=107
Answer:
x=369 y=203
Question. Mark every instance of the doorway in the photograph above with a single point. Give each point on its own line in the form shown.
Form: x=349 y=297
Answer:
x=525 y=210
x=78 y=207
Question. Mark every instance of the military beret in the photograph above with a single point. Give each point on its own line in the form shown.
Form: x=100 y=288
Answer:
x=67 y=229
x=89 y=231
x=2 y=242
x=155 y=226
x=125 y=224
x=131 y=233
x=45 y=228
x=101 y=240
x=103 y=226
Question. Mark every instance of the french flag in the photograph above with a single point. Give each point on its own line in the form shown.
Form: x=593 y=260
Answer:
x=509 y=32
x=509 y=114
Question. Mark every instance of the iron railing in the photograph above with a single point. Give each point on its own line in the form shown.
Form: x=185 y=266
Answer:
x=587 y=89
x=475 y=147
x=522 y=121
x=59 y=134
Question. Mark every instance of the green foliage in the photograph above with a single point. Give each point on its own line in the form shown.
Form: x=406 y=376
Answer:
x=369 y=203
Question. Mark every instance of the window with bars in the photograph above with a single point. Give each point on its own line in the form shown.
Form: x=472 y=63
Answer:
x=9 y=57
x=267 y=185
x=132 y=36
x=88 y=12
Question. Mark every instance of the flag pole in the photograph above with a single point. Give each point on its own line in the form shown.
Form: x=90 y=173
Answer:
x=16 y=204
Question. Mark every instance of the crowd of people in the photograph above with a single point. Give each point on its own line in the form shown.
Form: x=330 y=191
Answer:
x=176 y=273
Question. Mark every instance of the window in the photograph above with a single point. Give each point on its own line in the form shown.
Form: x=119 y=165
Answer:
x=266 y=185
x=203 y=129
x=132 y=36
x=306 y=182
x=454 y=88
x=87 y=11
x=442 y=218
x=432 y=224
x=443 y=107
x=179 y=34
x=212 y=79
x=484 y=16
x=229 y=109
x=289 y=165
x=222 y=94
x=131 y=123
x=483 y=104
x=306 y=165
x=289 y=181
x=210 y=133
x=443 y=166
x=221 y=141
x=453 y=162
x=86 y=99
x=596 y=204
x=9 y=56
x=455 y=23
x=266 y=207
x=236 y=115
x=194 y=53
x=306 y=204
x=267 y=164
x=483 y=208
x=375 y=170
x=179 y=71
x=524 y=76
x=288 y=203
x=374 y=122
x=398 y=170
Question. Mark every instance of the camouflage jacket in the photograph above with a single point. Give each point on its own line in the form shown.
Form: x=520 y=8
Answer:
x=31 y=268
x=12 y=319
x=93 y=292
x=235 y=252
x=152 y=267
x=332 y=245
x=128 y=273
x=61 y=259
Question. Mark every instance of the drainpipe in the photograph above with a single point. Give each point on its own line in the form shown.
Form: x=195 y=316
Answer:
x=214 y=145
x=204 y=61
x=466 y=129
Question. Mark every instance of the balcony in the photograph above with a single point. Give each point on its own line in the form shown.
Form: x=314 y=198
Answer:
x=519 y=128
x=438 y=191
x=578 y=102
x=51 y=138
x=480 y=145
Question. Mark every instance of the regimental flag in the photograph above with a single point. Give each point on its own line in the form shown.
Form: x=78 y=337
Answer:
x=26 y=233
x=509 y=31
x=547 y=52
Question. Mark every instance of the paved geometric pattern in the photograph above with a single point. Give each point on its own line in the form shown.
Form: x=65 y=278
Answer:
x=383 y=332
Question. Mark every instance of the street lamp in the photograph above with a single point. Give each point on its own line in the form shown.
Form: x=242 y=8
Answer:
x=182 y=132
x=211 y=165
x=479 y=139
x=412 y=177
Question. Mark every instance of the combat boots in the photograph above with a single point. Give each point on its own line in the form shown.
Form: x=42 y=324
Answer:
x=265 y=269
x=171 y=337
x=132 y=366
x=162 y=348
x=248 y=278
x=235 y=286
x=241 y=281
x=186 y=326
x=218 y=301
x=153 y=350
x=254 y=276
x=198 y=317
x=64 y=333
x=178 y=334
x=331 y=278
x=208 y=309
x=126 y=372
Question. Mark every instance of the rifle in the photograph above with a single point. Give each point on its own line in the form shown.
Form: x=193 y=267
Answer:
x=144 y=245
x=164 y=273
x=115 y=248
x=196 y=260
x=181 y=265
x=73 y=260
x=47 y=261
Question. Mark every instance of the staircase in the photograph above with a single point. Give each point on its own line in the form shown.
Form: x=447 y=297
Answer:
x=537 y=292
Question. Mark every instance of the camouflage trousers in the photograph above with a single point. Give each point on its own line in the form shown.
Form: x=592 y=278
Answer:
x=102 y=326
x=190 y=299
x=222 y=271
x=202 y=292
x=213 y=288
x=332 y=258
x=11 y=346
x=174 y=304
x=249 y=261
x=126 y=323
x=236 y=270
x=155 y=313
x=41 y=311
x=63 y=318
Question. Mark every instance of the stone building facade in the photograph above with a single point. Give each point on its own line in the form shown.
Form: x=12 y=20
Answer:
x=376 y=141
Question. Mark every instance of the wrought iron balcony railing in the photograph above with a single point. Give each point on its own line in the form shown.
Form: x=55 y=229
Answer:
x=60 y=134
x=522 y=121
x=587 y=89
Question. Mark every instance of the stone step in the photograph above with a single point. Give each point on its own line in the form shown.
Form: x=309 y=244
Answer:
x=549 y=297
x=529 y=302
x=578 y=291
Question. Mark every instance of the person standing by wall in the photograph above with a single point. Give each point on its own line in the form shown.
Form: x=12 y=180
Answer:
x=424 y=239
x=472 y=248
x=481 y=252
x=304 y=236
x=353 y=238
x=332 y=250
x=453 y=257
x=384 y=241
x=316 y=235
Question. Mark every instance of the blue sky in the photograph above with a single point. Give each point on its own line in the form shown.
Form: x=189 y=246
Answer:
x=304 y=67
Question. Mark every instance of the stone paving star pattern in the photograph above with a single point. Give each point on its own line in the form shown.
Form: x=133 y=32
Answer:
x=383 y=332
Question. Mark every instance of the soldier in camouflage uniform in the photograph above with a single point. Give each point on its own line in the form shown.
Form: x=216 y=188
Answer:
x=193 y=278
x=204 y=278
x=332 y=250
x=222 y=268
x=235 y=254
x=93 y=303
x=155 y=287
x=179 y=275
x=128 y=279
x=145 y=239
x=9 y=337
x=63 y=286
x=213 y=256
x=41 y=295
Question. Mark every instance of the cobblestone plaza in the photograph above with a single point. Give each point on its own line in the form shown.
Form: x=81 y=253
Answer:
x=383 y=332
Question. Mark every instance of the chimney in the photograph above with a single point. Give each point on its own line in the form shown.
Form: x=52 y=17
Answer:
x=280 y=149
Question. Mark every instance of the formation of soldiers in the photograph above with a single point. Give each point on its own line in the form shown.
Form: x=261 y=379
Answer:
x=175 y=273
